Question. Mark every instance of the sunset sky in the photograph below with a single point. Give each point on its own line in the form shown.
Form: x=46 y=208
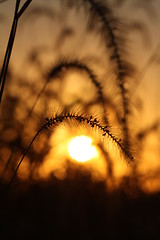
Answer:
x=80 y=120
x=46 y=28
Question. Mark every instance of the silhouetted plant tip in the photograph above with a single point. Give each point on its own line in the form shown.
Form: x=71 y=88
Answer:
x=58 y=70
x=62 y=66
x=92 y=122
x=114 y=42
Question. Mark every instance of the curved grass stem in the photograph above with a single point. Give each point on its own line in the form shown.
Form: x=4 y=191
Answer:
x=92 y=122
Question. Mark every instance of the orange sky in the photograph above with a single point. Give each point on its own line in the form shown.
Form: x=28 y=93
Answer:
x=31 y=34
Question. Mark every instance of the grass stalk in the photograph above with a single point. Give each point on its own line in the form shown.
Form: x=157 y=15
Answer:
x=92 y=122
x=17 y=15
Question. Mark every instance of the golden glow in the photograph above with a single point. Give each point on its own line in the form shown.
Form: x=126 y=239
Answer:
x=81 y=149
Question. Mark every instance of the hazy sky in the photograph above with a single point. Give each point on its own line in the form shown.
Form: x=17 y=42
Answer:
x=30 y=35
x=48 y=30
x=140 y=13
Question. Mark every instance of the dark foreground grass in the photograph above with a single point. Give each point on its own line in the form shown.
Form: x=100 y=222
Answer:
x=77 y=208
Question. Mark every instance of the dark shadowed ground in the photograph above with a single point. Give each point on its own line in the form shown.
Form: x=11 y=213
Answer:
x=77 y=208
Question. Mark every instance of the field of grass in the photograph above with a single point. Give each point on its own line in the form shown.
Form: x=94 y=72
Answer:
x=76 y=68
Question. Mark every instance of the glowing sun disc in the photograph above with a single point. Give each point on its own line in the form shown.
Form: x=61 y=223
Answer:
x=81 y=149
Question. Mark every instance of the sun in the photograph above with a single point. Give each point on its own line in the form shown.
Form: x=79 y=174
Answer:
x=81 y=149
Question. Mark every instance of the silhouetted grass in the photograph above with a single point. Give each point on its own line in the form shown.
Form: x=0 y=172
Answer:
x=17 y=15
x=77 y=206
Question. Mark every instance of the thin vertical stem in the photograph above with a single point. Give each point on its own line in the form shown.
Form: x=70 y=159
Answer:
x=9 y=50
x=7 y=57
